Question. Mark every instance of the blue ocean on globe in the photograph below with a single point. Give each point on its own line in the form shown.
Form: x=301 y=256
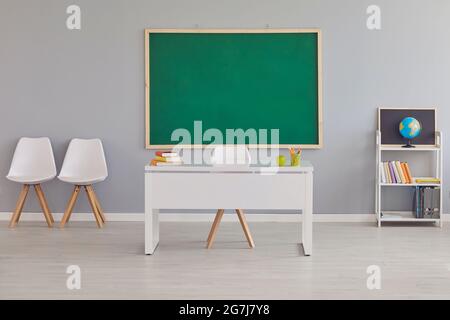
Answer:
x=410 y=128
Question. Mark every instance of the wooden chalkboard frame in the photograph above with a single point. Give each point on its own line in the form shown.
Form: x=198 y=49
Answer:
x=147 y=32
x=431 y=136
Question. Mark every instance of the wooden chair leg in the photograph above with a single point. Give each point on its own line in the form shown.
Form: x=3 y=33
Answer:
x=23 y=204
x=244 y=225
x=94 y=206
x=19 y=206
x=214 y=228
x=70 y=205
x=46 y=205
x=97 y=202
x=47 y=214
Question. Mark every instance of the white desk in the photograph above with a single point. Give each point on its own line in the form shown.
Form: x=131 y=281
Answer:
x=206 y=187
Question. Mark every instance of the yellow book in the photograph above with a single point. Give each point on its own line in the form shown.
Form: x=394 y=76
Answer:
x=168 y=159
x=400 y=172
x=428 y=180
x=387 y=172
x=160 y=159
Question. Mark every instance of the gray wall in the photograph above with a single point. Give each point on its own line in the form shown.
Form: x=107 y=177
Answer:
x=90 y=83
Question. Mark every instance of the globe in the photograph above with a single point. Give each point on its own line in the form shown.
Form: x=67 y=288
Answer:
x=410 y=128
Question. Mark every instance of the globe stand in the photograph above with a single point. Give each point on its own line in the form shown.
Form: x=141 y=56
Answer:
x=408 y=145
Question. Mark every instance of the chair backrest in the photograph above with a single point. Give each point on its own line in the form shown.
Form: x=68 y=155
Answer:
x=231 y=155
x=84 y=158
x=33 y=157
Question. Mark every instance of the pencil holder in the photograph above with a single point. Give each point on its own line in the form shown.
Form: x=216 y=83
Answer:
x=295 y=160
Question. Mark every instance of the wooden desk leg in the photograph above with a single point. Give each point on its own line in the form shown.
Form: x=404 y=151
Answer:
x=307 y=219
x=44 y=206
x=245 y=227
x=214 y=228
x=19 y=206
x=151 y=219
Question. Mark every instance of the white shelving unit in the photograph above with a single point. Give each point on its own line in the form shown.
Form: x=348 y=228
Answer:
x=406 y=216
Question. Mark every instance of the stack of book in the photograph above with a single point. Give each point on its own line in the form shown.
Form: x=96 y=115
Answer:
x=395 y=172
x=164 y=158
x=427 y=202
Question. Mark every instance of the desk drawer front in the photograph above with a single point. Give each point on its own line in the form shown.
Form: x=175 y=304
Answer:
x=225 y=190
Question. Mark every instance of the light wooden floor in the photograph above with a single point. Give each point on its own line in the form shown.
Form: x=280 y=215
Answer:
x=414 y=261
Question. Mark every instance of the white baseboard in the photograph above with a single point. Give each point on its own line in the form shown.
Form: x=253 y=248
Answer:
x=76 y=216
x=202 y=217
x=257 y=217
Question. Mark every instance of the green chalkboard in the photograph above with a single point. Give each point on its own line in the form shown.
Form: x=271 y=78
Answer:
x=234 y=80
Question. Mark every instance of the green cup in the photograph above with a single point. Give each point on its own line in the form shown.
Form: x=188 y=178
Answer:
x=295 y=160
x=281 y=160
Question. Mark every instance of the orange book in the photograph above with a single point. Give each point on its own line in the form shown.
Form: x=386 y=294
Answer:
x=405 y=172
x=402 y=168
x=409 y=172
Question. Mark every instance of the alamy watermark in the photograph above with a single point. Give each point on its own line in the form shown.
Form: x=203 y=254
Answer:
x=206 y=143
x=73 y=281
x=373 y=281
x=73 y=21
x=374 y=18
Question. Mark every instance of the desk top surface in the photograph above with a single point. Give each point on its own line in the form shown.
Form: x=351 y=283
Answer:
x=306 y=166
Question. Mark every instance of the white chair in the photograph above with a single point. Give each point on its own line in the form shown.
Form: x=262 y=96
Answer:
x=33 y=163
x=84 y=165
x=230 y=155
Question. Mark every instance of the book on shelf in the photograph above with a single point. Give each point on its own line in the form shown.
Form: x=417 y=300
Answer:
x=398 y=179
x=405 y=171
x=392 y=172
x=383 y=175
x=408 y=172
x=427 y=202
x=386 y=172
x=401 y=174
x=395 y=172
x=428 y=180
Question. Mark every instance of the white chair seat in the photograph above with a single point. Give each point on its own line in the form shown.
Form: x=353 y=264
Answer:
x=30 y=179
x=33 y=161
x=84 y=163
x=82 y=181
